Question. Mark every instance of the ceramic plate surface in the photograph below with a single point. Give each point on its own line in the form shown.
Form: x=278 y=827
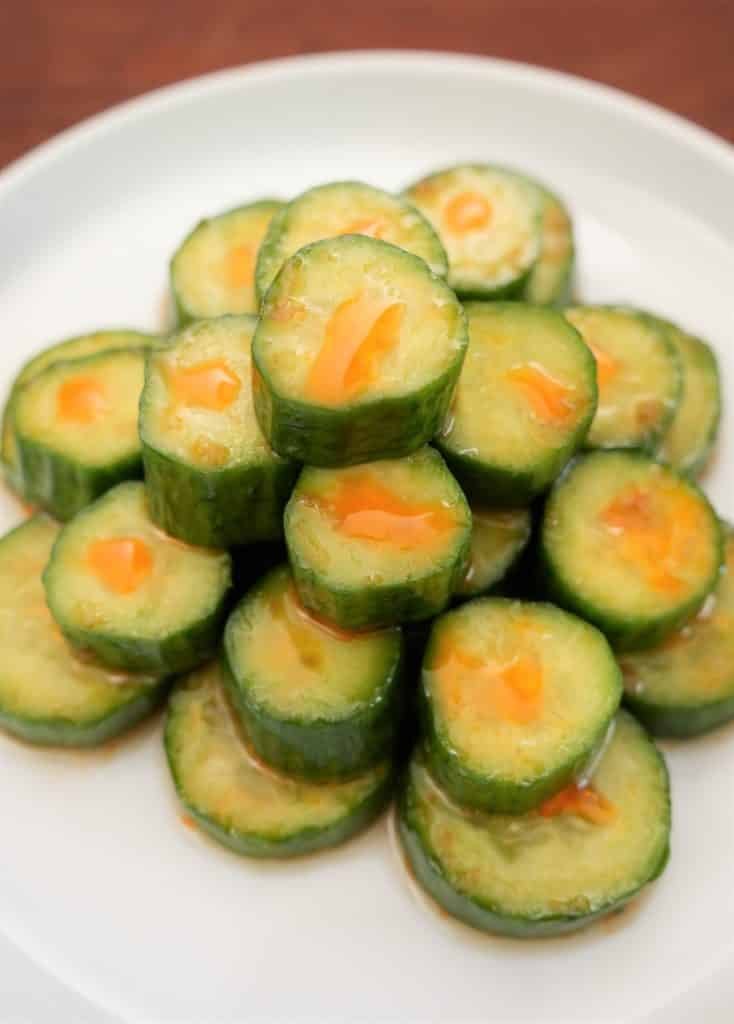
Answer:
x=100 y=881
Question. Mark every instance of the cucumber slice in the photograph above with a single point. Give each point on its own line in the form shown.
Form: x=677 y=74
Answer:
x=498 y=538
x=587 y=852
x=630 y=545
x=134 y=597
x=550 y=280
x=244 y=805
x=685 y=686
x=356 y=354
x=525 y=399
x=379 y=544
x=213 y=270
x=314 y=701
x=72 y=348
x=517 y=698
x=489 y=220
x=346 y=208
x=692 y=433
x=48 y=694
x=639 y=376
x=211 y=476
x=76 y=429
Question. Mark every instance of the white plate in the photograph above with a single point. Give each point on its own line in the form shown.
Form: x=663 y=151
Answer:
x=100 y=881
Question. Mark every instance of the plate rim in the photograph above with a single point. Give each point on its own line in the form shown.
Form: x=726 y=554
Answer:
x=16 y=175
x=677 y=127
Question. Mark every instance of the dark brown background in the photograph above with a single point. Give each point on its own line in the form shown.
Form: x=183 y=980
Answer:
x=62 y=60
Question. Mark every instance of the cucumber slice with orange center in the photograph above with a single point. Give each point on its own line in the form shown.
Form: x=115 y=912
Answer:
x=356 y=353
x=378 y=544
x=131 y=595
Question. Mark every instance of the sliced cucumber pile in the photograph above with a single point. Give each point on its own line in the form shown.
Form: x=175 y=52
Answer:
x=629 y=545
x=356 y=353
x=76 y=429
x=134 y=597
x=523 y=405
x=378 y=544
x=498 y=538
x=244 y=805
x=213 y=270
x=584 y=853
x=73 y=348
x=211 y=477
x=377 y=444
x=685 y=685
x=49 y=694
x=518 y=697
x=489 y=220
x=346 y=208
x=314 y=700
x=638 y=373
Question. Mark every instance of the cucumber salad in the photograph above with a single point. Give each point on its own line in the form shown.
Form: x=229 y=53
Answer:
x=389 y=513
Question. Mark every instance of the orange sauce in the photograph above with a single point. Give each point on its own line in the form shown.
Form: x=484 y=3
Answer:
x=468 y=211
x=239 y=266
x=81 y=399
x=652 y=535
x=607 y=366
x=208 y=385
x=551 y=401
x=583 y=801
x=122 y=564
x=363 y=507
x=359 y=334
x=302 y=628
x=511 y=691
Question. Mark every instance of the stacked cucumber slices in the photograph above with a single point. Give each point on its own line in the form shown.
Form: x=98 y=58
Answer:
x=384 y=513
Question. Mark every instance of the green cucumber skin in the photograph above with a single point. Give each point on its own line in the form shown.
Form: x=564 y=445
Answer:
x=63 y=486
x=382 y=606
x=484 y=917
x=681 y=721
x=471 y=291
x=178 y=652
x=384 y=428
x=695 y=466
x=513 y=290
x=183 y=315
x=56 y=732
x=308 y=840
x=624 y=633
x=500 y=795
x=8 y=455
x=505 y=582
x=484 y=483
x=379 y=606
x=278 y=225
x=651 y=442
x=221 y=508
x=562 y=293
x=322 y=750
x=489 y=484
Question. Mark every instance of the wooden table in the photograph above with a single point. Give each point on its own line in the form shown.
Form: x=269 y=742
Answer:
x=63 y=60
